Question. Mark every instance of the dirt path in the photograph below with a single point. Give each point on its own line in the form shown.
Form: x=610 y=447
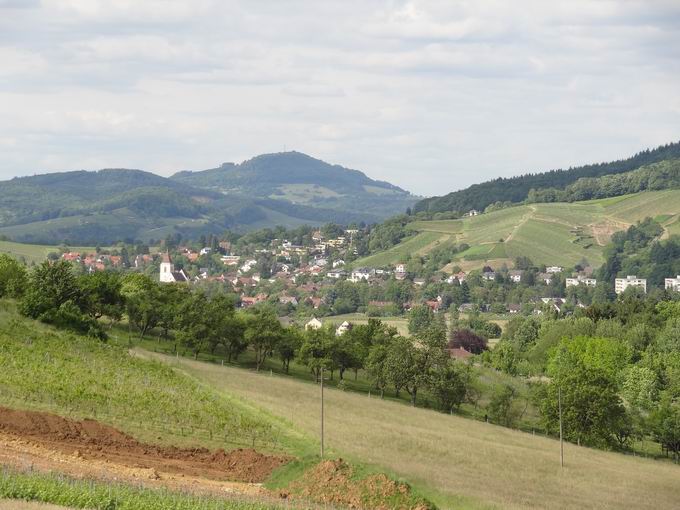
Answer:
x=89 y=449
x=521 y=223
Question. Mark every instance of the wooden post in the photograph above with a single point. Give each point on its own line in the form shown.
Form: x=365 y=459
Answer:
x=559 y=406
x=322 y=412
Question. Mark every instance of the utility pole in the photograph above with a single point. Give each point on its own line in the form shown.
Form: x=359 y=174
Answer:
x=322 y=412
x=559 y=406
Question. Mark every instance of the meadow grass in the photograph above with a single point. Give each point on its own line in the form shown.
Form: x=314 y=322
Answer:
x=74 y=493
x=450 y=456
x=42 y=368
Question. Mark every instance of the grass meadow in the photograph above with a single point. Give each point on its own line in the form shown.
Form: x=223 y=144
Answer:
x=460 y=463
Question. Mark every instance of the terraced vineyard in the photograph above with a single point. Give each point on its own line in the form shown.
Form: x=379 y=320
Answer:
x=559 y=233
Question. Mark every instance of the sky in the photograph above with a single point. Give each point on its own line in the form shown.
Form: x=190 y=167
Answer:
x=430 y=95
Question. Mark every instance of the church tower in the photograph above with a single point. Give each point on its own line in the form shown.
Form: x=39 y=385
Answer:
x=167 y=269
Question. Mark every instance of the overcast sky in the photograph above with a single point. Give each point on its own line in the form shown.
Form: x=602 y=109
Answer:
x=432 y=96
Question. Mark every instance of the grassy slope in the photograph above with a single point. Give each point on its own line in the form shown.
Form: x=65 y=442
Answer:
x=560 y=233
x=104 y=382
x=419 y=244
x=452 y=455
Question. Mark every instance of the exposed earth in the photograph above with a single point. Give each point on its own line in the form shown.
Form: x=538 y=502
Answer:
x=89 y=449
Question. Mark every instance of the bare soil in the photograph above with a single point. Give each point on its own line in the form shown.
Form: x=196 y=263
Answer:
x=333 y=482
x=90 y=449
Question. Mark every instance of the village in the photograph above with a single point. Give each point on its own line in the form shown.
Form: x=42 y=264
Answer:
x=318 y=277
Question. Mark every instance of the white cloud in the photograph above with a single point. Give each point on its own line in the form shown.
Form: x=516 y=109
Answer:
x=432 y=95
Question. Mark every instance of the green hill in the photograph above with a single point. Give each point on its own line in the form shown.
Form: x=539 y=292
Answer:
x=106 y=206
x=517 y=189
x=548 y=233
x=303 y=180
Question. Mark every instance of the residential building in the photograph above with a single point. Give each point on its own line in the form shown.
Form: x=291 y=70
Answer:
x=314 y=324
x=673 y=284
x=554 y=269
x=581 y=280
x=621 y=284
x=343 y=328
x=515 y=276
x=359 y=274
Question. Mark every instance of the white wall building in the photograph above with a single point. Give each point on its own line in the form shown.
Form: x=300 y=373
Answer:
x=621 y=284
x=553 y=269
x=673 y=284
x=581 y=280
x=168 y=273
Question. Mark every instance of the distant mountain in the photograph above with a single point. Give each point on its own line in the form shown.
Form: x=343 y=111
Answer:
x=300 y=179
x=108 y=205
x=516 y=189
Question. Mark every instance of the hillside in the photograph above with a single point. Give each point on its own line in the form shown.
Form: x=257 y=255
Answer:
x=301 y=179
x=462 y=463
x=547 y=233
x=109 y=205
x=516 y=189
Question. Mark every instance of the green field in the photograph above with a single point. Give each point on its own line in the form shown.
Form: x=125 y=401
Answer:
x=460 y=463
x=35 y=253
x=553 y=234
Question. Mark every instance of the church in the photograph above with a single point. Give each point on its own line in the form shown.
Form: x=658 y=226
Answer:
x=168 y=273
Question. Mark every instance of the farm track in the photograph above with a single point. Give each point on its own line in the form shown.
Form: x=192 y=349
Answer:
x=89 y=449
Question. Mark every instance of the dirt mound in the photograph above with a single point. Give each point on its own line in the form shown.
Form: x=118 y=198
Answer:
x=334 y=482
x=92 y=439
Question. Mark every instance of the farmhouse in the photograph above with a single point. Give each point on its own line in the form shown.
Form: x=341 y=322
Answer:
x=621 y=284
x=343 y=328
x=673 y=284
x=314 y=324
x=168 y=273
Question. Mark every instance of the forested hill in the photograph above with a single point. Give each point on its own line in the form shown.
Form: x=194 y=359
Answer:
x=303 y=180
x=105 y=206
x=516 y=189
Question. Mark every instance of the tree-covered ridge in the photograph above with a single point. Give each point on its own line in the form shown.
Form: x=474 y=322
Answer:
x=654 y=177
x=516 y=189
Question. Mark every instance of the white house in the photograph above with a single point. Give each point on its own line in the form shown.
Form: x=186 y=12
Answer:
x=581 y=280
x=314 y=324
x=673 y=284
x=343 y=328
x=337 y=274
x=621 y=284
x=554 y=269
x=205 y=251
x=359 y=274
x=515 y=276
x=168 y=273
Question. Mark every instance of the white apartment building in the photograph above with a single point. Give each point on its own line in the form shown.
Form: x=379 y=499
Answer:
x=621 y=284
x=673 y=284
x=553 y=269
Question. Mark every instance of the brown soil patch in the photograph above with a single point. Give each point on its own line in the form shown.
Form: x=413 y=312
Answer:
x=602 y=232
x=333 y=482
x=89 y=439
